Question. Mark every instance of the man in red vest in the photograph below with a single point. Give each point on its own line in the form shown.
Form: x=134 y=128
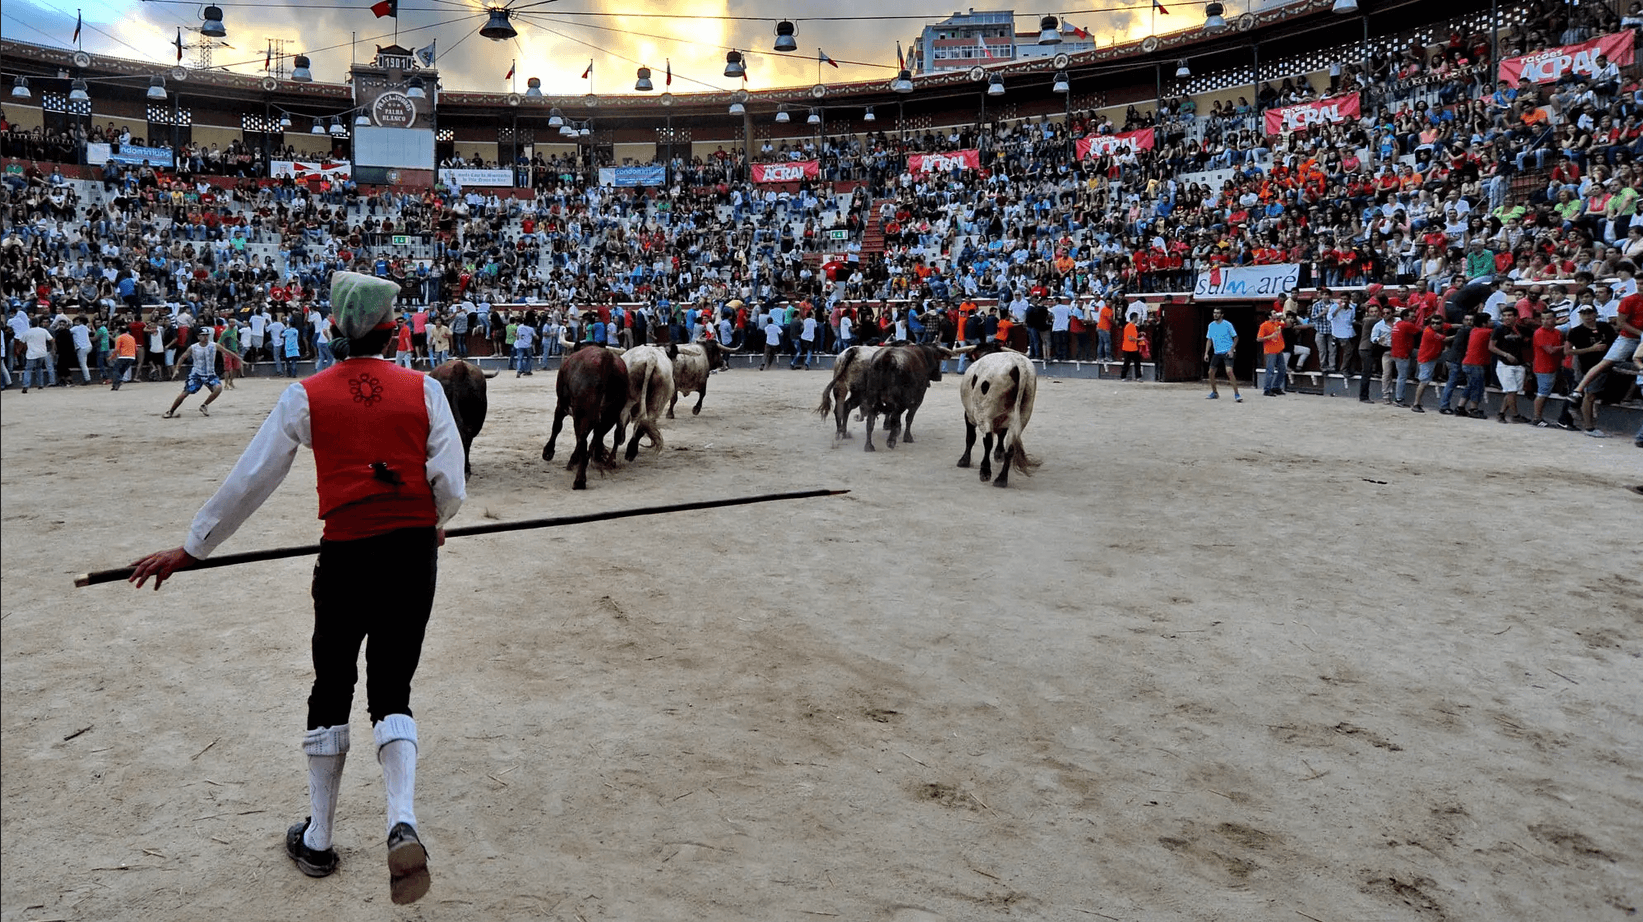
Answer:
x=390 y=462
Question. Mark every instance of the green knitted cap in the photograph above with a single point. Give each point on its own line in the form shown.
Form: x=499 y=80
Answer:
x=360 y=302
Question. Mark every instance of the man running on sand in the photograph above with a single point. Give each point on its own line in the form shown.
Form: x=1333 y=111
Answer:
x=202 y=361
x=389 y=461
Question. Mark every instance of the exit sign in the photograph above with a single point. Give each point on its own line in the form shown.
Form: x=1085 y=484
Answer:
x=401 y=240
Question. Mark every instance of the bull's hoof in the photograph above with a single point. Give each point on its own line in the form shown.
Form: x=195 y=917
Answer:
x=1001 y=482
x=547 y=452
x=571 y=466
x=908 y=438
x=986 y=472
x=670 y=415
x=579 y=485
x=633 y=451
x=964 y=461
x=694 y=411
x=868 y=447
x=846 y=435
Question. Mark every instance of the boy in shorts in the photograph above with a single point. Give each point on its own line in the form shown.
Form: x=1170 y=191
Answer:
x=202 y=372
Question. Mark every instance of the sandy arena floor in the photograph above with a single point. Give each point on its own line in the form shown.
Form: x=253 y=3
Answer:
x=1299 y=658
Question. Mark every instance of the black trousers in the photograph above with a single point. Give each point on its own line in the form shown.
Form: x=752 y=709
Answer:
x=378 y=592
x=1131 y=359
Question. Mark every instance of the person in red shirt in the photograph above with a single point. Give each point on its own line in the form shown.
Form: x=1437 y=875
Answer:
x=1405 y=333
x=1548 y=361
x=389 y=462
x=1476 y=364
x=1433 y=340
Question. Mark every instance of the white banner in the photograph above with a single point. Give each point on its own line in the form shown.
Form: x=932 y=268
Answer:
x=465 y=178
x=307 y=169
x=1246 y=283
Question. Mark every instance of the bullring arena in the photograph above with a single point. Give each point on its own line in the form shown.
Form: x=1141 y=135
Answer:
x=1280 y=660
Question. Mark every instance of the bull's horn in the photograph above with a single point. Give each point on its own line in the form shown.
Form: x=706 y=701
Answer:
x=616 y=349
x=962 y=351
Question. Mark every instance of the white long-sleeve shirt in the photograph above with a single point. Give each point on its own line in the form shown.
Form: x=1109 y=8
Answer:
x=266 y=461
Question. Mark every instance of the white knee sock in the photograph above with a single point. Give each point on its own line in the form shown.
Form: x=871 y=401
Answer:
x=327 y=749
x=396 y=750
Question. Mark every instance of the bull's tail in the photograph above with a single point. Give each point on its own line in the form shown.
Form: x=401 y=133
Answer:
x=646 y=421
x=1019 y=458
x=840 y=373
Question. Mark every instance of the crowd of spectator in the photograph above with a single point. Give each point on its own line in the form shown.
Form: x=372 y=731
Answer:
x=1446 y=175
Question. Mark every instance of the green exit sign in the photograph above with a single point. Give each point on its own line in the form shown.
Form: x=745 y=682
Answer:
x=401 y=240
x=837 y=234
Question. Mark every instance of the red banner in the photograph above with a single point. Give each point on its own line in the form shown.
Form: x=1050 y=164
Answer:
x=941 y=163
x=787 y=171
x=1102 y=145
x=1306 y=114
x=1553 y=64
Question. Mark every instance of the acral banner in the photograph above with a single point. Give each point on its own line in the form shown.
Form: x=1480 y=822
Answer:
x=1554 y=64
x=944 y=163
x=1238 y=283
x=306 y=170
x=128 y=154
x=465 y=178
x=633 y=175
x=1104 y=145
x=1306 y=114
x=790 y=171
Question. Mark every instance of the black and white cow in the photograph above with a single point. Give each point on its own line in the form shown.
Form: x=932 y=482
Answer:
x=998 y=393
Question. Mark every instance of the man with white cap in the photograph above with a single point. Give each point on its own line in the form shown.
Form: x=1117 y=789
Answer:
x=390 y=462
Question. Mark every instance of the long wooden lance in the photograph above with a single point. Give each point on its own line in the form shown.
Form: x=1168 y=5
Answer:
x=278 y=553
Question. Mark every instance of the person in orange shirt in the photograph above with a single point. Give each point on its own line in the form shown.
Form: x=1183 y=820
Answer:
x=1005 y=325
x=125 y=357
x=1103 y=333
x=1132 y=349
x=1271 y=338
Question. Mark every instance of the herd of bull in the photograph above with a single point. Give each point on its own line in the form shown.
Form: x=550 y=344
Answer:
x=604 y=389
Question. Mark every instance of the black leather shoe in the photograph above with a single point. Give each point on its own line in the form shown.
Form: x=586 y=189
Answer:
x=407 y=865
x=310 y=861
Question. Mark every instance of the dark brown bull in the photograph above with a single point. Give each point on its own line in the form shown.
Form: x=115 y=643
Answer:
x=592 y=388
x=896 y=380
x=464 y=387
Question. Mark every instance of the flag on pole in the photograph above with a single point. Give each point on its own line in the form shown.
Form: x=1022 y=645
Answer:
x=179 y=44
x=78 y=19
x=1159 y=7
x=589 y=72
x=1081 y=33
x=511 y=66
x=268 y=58
x=901 y=63
x=985 y=51
x=386 y=8
x=822 y=57
x=669 y=73
x=426 y=55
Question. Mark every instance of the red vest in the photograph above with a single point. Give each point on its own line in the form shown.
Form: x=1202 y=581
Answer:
x=366 y=414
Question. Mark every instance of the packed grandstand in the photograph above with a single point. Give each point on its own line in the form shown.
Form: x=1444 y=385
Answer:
x=1387 y=171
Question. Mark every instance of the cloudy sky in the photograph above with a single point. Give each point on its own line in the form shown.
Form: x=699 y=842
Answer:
x=557 y=39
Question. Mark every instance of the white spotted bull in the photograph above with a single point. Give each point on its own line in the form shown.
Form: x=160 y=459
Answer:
x=998 y=393
x=650 y=386
x=691 y=366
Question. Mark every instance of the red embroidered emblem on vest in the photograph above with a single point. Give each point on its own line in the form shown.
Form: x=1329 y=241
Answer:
x=367 y=389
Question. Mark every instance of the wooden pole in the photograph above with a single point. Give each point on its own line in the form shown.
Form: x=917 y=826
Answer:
x=278 y=553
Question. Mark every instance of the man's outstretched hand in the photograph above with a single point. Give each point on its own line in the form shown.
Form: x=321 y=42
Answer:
x=160 y=566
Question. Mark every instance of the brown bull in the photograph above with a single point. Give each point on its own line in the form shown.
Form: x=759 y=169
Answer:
x=592 y=389
x=464 y=387
x=896 y=380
